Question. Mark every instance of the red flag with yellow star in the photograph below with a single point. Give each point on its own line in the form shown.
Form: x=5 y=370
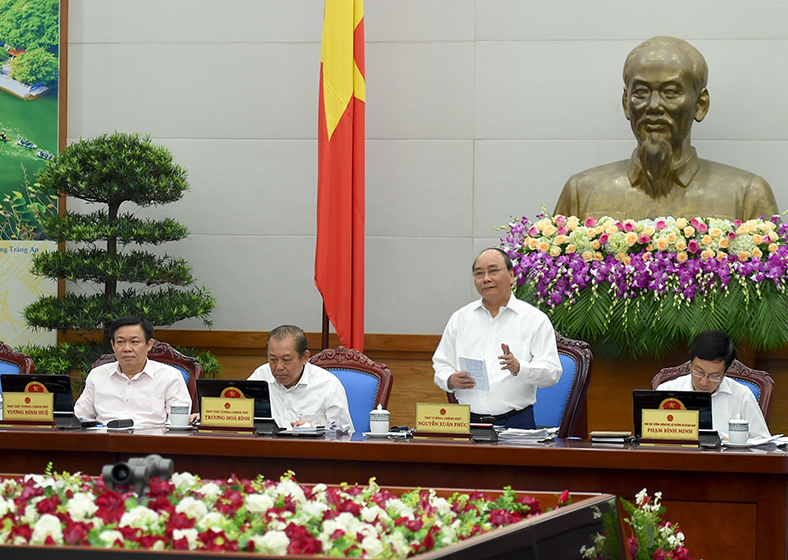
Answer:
x=339 y=254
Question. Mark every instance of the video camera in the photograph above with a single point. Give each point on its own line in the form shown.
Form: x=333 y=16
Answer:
x=137 y=472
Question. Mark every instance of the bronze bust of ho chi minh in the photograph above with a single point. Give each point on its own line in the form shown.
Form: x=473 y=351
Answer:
x=664 y=92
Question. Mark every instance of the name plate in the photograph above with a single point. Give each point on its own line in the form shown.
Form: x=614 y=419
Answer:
x=224 y=412
x=447 y=418
x=670 y=424
x=28 y=407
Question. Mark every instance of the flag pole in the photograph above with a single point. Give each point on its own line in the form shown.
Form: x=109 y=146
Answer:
x=325 y=328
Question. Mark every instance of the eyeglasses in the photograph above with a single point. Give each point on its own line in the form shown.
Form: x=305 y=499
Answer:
x=713 y=377
x=479 y=274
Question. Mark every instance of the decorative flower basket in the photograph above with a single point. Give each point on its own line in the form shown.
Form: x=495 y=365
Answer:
x=642 y=287
x=74 y=516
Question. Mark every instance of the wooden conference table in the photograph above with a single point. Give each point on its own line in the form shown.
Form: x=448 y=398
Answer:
x=730 y=503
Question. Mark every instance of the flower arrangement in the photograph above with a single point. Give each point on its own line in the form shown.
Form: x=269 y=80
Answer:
x=263 y=516
x=642 y=286
x=652 y=537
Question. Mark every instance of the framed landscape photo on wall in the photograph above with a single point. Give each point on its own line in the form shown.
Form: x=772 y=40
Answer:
x=32 y=129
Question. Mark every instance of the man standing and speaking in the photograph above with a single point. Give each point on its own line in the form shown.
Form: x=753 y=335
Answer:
x=515 y=340
x=664 y=92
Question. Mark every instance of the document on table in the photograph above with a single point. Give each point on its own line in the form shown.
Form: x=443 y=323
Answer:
x=478 y=370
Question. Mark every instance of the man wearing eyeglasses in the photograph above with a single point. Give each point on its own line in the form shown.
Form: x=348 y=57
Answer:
x=515 y=340
x=711 y=354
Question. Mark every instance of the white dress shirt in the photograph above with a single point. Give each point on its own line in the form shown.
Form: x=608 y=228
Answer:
x=472 y=332
x=729 y=401
x=318 y=397
x=145 y=398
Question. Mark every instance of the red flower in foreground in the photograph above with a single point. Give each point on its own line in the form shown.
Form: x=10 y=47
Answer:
x=76 y=532
x=501 y=517
x=535 y=507
x=111 y=506
x=48 y=505
x=217 y=541
x=301 y=541
x=162 y=504
x=24 y=531
x=633 y=546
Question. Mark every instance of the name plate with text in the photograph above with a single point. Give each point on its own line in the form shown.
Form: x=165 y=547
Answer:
x=28 y=407
x=222 y=412
x=446 y=418
x=671 y=425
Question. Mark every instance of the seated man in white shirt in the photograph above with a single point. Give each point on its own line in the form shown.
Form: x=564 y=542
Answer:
x=300 y=392
x=515 y=340
x=711 y=354
x=133 y=387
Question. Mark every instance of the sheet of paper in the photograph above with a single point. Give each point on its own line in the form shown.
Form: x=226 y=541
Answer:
x=478 y=370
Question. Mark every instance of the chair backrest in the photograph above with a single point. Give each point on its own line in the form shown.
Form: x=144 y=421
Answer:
x=13 y=361
x=367 y=383
x=759 y=382
x=560 y=405
x=162 y=352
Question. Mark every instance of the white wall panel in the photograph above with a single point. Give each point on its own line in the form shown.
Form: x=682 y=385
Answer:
x=415 y=284
x=420 y=90
x=420 y=188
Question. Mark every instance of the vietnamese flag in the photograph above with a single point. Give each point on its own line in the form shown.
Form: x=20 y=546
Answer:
x=339 y=254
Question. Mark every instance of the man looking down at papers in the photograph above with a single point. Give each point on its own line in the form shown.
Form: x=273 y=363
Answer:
x=711 y=354
x=134 y=386
x=507 y=339
x=300 y=392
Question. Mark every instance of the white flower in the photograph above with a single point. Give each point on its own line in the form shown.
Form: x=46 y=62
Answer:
x=398 y=543
x=110 y=537
x=371 y=513
x=189 y=534
x=210 y=490
x=183 y=481
x=30 y=514
x=212 y=520
x=272 y=542
x=289 y=488
x=448 y=536
x=140 y=517
x=40 y=480
x=372 y=546
x=81 y=506
x=314 y=509
x=259 y=503
x=192 y=507
x=6 y=506
x=400 y=509
x=47 y=526
x=442 y=505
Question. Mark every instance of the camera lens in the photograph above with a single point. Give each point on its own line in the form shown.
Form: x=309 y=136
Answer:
x=121 y=474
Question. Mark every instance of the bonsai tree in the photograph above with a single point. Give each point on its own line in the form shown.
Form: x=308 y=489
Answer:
x=111 y=170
